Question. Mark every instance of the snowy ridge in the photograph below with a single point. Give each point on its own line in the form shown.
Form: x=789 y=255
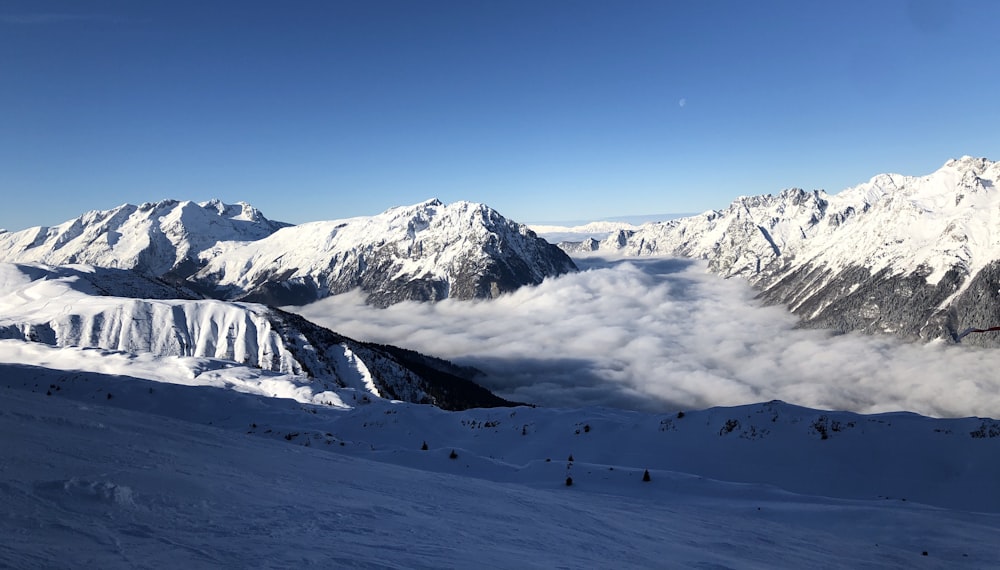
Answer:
x=156 y=238
x=62 y=307
x=45 y=307
x=845 y=260
x=425 y=252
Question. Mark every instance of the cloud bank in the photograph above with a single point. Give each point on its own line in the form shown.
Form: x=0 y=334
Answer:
x=663 y=335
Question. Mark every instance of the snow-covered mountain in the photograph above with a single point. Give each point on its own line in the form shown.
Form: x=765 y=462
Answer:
x=425 y=252
x=160 y=239
x=915 y=256
x=82 y=306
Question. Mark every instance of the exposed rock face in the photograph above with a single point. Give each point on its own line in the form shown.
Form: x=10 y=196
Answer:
x=914 y=256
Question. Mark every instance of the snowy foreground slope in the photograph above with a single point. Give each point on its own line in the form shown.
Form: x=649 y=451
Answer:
x=915 y=256
x=86 y=307
x=118 y=472
x=425 y=252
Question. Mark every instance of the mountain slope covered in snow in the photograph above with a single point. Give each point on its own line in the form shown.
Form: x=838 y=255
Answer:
x=115 y=472
x=160 y=239
x=76 y=306
x=426 y=252
x=915 y=256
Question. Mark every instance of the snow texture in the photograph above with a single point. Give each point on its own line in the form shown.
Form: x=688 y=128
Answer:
x=114 y=471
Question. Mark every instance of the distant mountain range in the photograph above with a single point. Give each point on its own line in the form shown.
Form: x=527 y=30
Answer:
x=160 y=278
x=426 y=252
x=914 y=256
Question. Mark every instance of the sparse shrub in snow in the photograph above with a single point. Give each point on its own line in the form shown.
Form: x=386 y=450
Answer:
x=729 y=427
x=453 y=455
x=569 y=481
x=986 y=429
x=820 y=426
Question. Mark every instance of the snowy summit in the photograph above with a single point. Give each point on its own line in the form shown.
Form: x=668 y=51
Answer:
x=916 y=256
x=425 y=252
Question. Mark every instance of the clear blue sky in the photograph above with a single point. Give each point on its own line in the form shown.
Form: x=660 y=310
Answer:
x=543 y=109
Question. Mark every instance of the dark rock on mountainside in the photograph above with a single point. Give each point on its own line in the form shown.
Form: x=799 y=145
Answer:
x=397 y=373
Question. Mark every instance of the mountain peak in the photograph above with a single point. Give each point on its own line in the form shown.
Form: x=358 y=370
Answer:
x=424 y=252
x=155 y=237
x=967 y=162
x=916 y=256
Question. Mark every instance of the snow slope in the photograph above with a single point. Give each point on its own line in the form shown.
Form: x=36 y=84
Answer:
x=118 y=472
x=913 y=255
x=425 y=252
x=70 y=306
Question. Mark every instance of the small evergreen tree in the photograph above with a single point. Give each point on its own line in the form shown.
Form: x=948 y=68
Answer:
x=570 y=459
x=569 y=481
x=423 y=447
x=453 y=455
x=645 y=476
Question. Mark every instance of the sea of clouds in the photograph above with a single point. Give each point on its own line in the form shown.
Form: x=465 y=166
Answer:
x=663 y=334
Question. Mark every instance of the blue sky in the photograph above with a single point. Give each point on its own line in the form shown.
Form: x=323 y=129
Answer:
x=546 y=110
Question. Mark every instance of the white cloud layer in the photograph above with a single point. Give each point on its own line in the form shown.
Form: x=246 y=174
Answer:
x=663 y=334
